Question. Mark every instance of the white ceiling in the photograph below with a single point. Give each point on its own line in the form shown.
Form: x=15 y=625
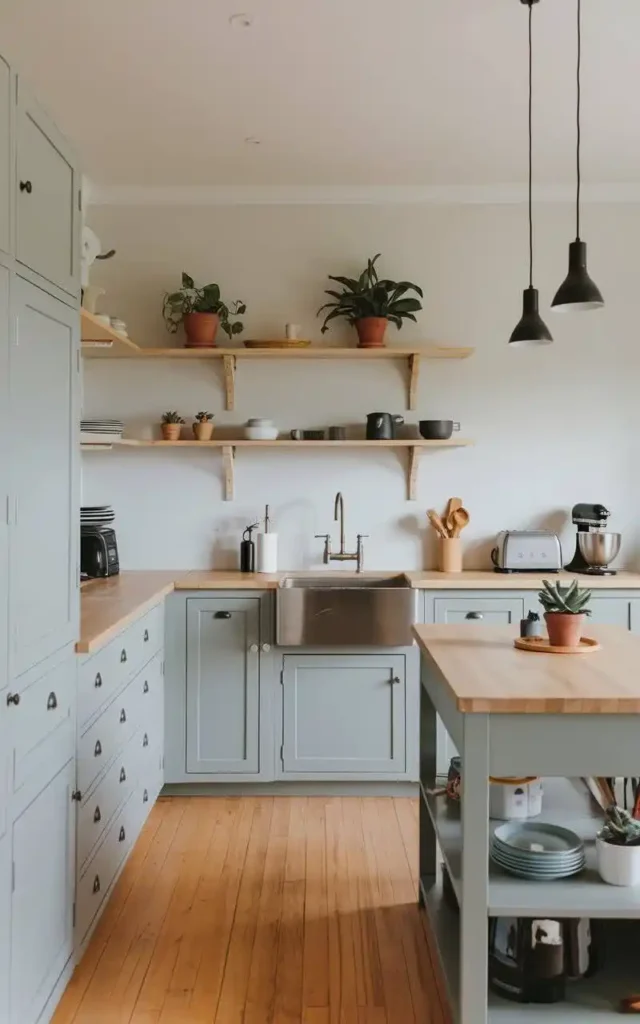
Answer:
x=339 y=92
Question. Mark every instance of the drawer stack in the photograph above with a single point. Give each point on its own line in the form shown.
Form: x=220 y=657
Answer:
x=119 y=756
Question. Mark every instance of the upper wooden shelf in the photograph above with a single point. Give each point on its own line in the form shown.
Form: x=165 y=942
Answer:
x=97 y=338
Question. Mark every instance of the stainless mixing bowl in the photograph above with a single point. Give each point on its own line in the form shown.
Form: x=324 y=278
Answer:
x=599 y=549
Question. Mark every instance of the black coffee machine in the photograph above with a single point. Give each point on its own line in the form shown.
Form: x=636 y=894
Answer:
x=588 y=519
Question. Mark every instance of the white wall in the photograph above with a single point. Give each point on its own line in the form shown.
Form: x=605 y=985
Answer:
x=551 y=426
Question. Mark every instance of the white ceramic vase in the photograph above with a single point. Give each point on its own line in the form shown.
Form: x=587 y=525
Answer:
x=618 y=865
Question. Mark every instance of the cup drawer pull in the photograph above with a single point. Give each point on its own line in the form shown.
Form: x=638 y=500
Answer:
x=145 y=797
x=145 y=686
x=145 y=741
x=97 y=816
x=123 y=655
x=123 y=717
x=474 y=615
x=97 y=681
x=123 y=775
x=145 y=636
x=122 y=835
x=96 y=884
x=52 y=702
x=97 y=750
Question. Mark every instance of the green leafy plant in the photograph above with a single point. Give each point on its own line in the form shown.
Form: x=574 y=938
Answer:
x=171 y=417
x=370 y=295
x=204 y=417
x=571 y=600
x=190 y=299
x=620 y=829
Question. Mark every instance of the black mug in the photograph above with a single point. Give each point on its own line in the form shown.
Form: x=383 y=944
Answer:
x=381 y=426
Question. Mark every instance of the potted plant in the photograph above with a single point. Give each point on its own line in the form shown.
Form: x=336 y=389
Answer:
x=201 y=310
x=564 y=612
x=203 y=426
x=369 y=302
x=618 y=848
x=171 y=424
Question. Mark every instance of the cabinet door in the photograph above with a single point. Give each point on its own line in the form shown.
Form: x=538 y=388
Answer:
x=42 y=901
x=5 y=156
x=5 y=925
x=47 y=198
x=493 y=611
x=344 y=713
x=612 y=611
x=43 y=382
x=5 y=434
x=223 y=685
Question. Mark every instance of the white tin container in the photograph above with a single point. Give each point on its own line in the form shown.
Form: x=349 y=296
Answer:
x=515 y=799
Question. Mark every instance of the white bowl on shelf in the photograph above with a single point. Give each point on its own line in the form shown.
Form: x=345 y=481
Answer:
x=261 y=430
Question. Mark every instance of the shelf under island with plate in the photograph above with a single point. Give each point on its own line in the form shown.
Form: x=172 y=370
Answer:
x=515 y=714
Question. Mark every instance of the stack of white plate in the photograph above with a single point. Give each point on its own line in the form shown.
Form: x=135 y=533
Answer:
x=95 y=516
x=537 y=851
x=101 y=431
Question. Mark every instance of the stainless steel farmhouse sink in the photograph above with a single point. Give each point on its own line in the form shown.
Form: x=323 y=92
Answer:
x=344 y=610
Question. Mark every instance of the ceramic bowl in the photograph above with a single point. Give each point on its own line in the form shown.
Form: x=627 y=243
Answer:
x=261 y=433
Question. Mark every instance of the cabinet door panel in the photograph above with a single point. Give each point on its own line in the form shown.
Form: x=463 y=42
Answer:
x=223 y=685
x=46 y=198
x=344 y=713
x=5 y=434
x=5 y=925
x=490 y=611
x=42 y=902
x=44 y=478
x=611 y=611
x=5 y=156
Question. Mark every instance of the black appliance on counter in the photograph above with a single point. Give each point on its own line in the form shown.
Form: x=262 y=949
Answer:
x=98 y=551
x=589 y=519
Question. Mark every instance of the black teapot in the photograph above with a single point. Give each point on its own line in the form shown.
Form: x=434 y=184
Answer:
x=381 y=426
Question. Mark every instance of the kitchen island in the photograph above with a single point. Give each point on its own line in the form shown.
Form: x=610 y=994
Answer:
x=512 y=713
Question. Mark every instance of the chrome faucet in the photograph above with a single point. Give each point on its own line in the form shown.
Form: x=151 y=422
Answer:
x=342 y=555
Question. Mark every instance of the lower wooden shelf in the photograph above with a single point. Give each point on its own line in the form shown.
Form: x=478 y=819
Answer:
x=228 y=446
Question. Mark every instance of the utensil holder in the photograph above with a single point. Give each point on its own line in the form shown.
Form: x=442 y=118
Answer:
x=450 y=554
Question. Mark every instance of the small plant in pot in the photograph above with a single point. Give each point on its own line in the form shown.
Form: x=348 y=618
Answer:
x=202 y=311
x=618 y=848
x=370 y=302
x=171 y=426
x=564 y=612
x=203 y=426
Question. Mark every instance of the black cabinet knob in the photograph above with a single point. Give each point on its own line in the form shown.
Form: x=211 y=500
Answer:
x=123 y=717
x=96 y=884
x=13 y=698
x=123 y=655
x=52 y=702
x=98 y=681
x=97 y=750
x=123 y=775
x=122 y=835
x=145 y=797
x=146 y=635
x=97 y=816
x=474 y=615
x=222 y=615
x=76 y=795
x=26 y=186
x=145 y=741
x=145 y=687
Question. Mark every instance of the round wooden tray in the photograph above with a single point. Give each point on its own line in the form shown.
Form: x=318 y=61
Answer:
x=278 y=343
x=541 y=645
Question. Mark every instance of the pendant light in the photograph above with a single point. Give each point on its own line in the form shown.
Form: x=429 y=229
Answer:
x=578 y=292
x=531 y=330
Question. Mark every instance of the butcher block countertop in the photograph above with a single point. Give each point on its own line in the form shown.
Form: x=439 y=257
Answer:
x=107 y=606
x=487 y=675
x=481 y=579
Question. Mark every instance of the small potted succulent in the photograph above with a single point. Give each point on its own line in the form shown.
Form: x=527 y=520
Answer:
x=618 y=848
x=203 y=426
x=171 y=425
x=201 y=310
x=564 y=612
x=369 y=302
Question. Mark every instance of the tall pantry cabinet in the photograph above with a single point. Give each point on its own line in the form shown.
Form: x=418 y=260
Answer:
x=39 y=537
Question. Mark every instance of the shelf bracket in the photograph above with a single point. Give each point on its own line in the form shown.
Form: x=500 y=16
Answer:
x=414 y=374
x=412 y=476
x=228 y=462
x=229 y=381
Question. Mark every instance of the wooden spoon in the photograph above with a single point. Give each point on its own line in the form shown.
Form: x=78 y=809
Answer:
x=460 y=518
x=452 y=505
x=437 y=523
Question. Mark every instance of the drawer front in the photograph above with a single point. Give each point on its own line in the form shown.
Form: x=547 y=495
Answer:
x=102 y=869
x=145 y=637
x=106 y=737
x=151 y=782
x=150 y=688
x=44 y=711
x=111 y=793
x=491 y=611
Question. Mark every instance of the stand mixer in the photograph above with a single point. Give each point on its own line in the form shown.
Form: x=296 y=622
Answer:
x=595 y=548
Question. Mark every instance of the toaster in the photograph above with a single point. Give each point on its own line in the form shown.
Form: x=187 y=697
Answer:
x=527 y=551
x=98 y=552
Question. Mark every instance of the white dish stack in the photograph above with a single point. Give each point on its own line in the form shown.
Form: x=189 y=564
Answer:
x=94 y=517
x=101 y=432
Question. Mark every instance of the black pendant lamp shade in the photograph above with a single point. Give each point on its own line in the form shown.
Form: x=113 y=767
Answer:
x=531 y=329
x=578 y=292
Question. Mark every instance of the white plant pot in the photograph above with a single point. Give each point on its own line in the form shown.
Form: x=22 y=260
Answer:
x=618 y=865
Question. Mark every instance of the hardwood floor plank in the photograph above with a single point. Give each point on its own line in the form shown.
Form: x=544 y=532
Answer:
x=289 y=970
x=315 y=983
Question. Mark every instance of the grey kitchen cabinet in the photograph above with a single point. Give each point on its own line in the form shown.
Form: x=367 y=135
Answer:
x=47 y=198
x=6 y=163
x=5 y=925
x=344 y=713
x=615 y=611
x=43 y=840
x=44 y=477
x=223 y=685
x=492 y=611
x=5 y=434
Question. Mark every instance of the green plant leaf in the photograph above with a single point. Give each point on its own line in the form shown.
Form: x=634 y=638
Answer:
x=348 y=282
x=211 y=293
x=237 y=328
x=406 y=306
x=187 y=282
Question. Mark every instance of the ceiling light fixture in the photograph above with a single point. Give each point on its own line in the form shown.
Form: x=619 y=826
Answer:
x=578 y=292
x=531 y=329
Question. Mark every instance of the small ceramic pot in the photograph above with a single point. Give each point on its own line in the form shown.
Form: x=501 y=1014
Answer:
x=203 y=431
x=171 y=431
x=564 y=630
x=618 y=865
x=201 y=329
x=371 y=331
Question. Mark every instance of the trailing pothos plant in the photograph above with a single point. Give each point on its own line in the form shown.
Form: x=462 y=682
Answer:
x=190 y=299
x=371 y=296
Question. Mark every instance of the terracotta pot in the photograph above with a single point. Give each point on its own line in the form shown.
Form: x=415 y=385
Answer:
x=371 y=331
x=171 y=431
x=564 y=630
x=201 y=329
x=203 y=431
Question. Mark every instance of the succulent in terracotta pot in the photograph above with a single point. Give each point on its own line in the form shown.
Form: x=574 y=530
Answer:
x=203 y=426
x=202 y=311
x=564 y=612
x=171 y=424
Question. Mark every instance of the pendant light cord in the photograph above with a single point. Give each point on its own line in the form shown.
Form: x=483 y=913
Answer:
x=531 y=146
x=578 y=135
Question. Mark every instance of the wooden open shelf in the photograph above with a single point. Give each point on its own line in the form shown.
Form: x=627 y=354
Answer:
x=228 y=446
x=100 y=342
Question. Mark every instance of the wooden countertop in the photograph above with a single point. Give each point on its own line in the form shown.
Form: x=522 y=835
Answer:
x=107 y=606
x=479 y=579
x=486 y=674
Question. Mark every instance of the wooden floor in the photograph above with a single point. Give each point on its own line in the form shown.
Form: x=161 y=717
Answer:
x=259 y=910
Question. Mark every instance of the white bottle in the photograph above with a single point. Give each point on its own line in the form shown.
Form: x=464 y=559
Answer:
x=267 y=548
